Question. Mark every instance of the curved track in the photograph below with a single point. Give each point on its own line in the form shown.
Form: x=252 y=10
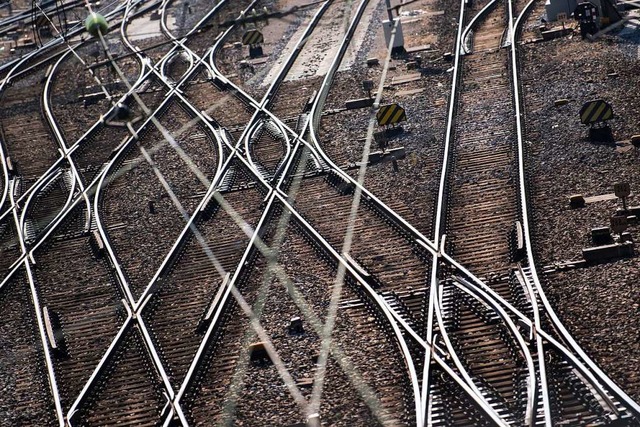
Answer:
x=177 y=252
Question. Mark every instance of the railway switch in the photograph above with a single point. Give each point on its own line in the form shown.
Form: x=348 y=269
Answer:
x=342 y=185
x=353 y=104
x=398 y=40
x=53 y=330
x=10 y=169
x=412 y=65
x=607 y=252
x=618 y=223
x=367 y=85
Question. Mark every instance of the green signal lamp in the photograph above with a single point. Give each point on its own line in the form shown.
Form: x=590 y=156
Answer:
x=95 y=23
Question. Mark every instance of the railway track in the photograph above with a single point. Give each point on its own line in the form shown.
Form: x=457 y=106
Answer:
x=26 y=136
x=83 y=303
x=483 y=208
x=29 y=401
x=484 y=72
x=239 y=223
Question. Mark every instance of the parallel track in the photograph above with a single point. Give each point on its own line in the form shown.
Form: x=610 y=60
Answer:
x=166 y=288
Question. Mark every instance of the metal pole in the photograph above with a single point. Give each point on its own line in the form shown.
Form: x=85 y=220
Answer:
x=389 y=11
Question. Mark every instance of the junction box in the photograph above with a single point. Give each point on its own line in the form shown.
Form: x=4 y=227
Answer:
x=398 y=41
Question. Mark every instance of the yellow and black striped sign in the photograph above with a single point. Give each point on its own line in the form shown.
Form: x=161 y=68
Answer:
x=390 y=115
x=252 y=37
x=595 y=111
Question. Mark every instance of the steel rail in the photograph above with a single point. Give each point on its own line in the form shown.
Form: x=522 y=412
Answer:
x=119 y=273
x=613 y=388
x=85 y=136
x=58 y=41
x=404 y=225
x=283 y=198
x=102 y=365
x=44 y=184
x=53 y=124
x=434 y=306
x=532 y=389
x=225 y=297
x=254 y=238
x=253 y=133
x=456 y=360
x=48 y=7
x=149 y=344
x=266 y=99
x=272 y=90
x=514 y=31
x=123 y=284
x=125 y=147
x=164 y=63
x=51 y=376
x=388 y=312
x=439 y=241
x=315 y=116
x=173 y=90
x=466 y=47
x=486 y=294
x=90 y=187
